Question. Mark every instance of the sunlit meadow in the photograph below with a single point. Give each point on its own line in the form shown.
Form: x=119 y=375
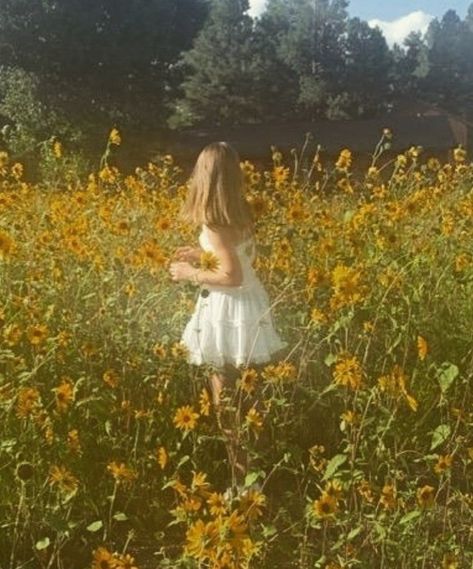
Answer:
x=361 y=439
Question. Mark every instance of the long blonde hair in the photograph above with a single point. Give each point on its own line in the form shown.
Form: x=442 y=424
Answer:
x=216 y=188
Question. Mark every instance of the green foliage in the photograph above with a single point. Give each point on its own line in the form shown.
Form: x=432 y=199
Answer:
x=30 y=119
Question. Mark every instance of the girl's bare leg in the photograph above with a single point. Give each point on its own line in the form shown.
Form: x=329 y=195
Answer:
x=228 y=421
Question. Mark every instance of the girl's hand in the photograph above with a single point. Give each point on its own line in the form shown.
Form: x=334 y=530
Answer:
x=181 y=271
x=188 y=254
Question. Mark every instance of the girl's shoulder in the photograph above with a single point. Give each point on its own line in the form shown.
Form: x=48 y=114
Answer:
x=227 y=234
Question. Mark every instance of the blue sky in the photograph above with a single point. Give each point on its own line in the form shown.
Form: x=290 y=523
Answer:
x=396 y=19
x=368 y=9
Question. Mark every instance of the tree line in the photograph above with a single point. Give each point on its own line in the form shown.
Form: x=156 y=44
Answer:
x=73 y=68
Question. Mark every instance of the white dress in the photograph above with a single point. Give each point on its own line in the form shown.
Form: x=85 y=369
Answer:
x=232 y=324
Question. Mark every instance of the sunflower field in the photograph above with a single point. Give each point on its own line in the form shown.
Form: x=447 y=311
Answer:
x=361 y=438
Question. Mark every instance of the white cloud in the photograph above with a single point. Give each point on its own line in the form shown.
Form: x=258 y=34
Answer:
x=256 y=7
x=396 y=30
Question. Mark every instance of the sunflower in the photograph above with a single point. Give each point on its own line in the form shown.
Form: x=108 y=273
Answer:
x=201 y=540
x=209 y=261
x=248 y=380
x=121 y=472
x=185 y=418
x=204 y=402
x=251 y=503
x=110 y=377
x=66 y=481
x=348 y=372
x=443 y=464
x=114 y=137
x=103 y=559
x=37 y=334
x=425 y=496
x=254 y=419
x=325 y=506
x=64 y=394
x=217 y=505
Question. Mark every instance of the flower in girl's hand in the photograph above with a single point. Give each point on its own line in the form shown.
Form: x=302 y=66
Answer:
x=209 y=261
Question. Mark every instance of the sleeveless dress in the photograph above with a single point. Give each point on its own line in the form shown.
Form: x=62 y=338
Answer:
x=232 y=324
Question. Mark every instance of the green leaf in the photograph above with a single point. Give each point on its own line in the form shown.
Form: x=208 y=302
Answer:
x=334 y=465
x=253 y=476
x=446 y=374
x=120 y=517
x=42 y=543
x=95 y=526
x=410 y=516
x=354 y=532
x=440 y=435
x=330 y=359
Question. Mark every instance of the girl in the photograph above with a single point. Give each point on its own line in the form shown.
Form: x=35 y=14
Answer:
x=231 y=326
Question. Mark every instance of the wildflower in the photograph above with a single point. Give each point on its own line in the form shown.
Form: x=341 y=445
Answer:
x=344 y=160
x=334 y=488
x=365 y=490
x=159 y=350
x=28 y=401
x=254 y=419
x=387 y=133
x=6 y=245
x=462 y=261
x=121 y=472
x=347 y=288
x=325 y=506
x=443 y=463
x=179 y=350
x=248 y=380
x=12 y=334
x=348 y=372
x=425 y=496
x=350 y=417
x=204 y=402
x=66 y=481
x=283 y=371
x=317 y=462
x=103 y=559
x=217 y=505
x=388 y=496
x=459 y=154
x=108 y=175
x=251 y=504
x=114 y=137
x=162 y=457
x=57 y=149
x=450 y=561
x=17 y=170
x=318 y=317
x=209 y=261
x=422 y=347
x=124 y=561
x=37 y=334
x=199 y=482
x=64 y=394
x=185 y=418
x=191 y=504
x=73 y=440
x=111 y=377
x=201 y=539
x=163 y=224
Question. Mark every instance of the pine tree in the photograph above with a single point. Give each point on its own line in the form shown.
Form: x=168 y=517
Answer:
x=219 y=69
x=368 y=68
x=450 y=79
